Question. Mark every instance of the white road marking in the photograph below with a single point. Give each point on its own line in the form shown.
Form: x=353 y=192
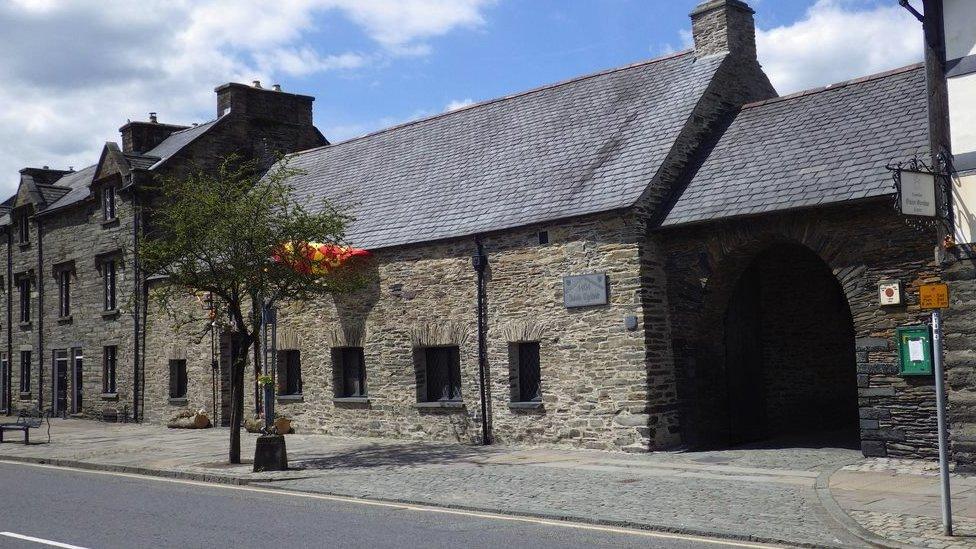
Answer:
x=41 y=540
x=409 y=507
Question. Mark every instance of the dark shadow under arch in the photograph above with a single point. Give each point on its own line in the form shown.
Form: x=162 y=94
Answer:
x=778 y=360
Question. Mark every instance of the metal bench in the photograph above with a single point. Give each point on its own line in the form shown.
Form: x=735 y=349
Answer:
x=27 y=420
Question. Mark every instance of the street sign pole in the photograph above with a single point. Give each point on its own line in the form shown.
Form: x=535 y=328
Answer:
x=940 y=400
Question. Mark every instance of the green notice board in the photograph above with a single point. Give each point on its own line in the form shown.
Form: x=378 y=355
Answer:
x=915 y=350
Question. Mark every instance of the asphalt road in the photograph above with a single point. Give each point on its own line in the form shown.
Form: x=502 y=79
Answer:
x=70 y=508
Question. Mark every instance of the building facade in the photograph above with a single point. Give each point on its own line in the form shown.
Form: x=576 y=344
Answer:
x=661 y=255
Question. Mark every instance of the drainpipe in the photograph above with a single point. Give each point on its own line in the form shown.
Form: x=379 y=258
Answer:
x=40 y=317
x=136 y=297
x=9 y=394
x=480 y=263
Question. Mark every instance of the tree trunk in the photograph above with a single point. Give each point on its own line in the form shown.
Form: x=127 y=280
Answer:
x=237 y=397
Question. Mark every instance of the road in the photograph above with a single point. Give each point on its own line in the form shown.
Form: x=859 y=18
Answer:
x=54 y=507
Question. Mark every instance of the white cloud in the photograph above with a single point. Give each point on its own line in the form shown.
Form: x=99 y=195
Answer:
x=838 y=40
x=458 y=104
x=73 y=72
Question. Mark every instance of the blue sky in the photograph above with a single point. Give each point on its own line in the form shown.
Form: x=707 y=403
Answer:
x=370 y=63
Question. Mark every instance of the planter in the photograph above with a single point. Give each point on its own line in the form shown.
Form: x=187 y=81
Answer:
x=282 y=425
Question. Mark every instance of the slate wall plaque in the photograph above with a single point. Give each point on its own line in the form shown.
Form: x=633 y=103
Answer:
x=585 y=290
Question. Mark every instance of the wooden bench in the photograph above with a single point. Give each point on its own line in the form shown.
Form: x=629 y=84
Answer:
x=27 y=420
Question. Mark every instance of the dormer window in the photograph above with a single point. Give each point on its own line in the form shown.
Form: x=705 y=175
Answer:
x=108 y=202
x=23 y=228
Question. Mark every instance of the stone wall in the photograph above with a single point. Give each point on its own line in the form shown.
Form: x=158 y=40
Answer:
x=960 y=357
x=862 y=244
x=594 y=377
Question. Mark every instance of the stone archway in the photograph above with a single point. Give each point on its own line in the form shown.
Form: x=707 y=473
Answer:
x=777 y=354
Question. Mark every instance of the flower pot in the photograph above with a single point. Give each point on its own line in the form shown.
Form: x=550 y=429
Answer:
x=282 y=425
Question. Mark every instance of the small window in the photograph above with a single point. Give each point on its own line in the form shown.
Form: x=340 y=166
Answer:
x=177 y=379
x=543 y=237
x=349 y=372
x=109 y=363
x=109 y=280
x=108 y=202
x=524 y=371
x=442 y=374
x=64 y=293
x=25 y=371
x=23 y=228
x=24 y=297
x=289 y=372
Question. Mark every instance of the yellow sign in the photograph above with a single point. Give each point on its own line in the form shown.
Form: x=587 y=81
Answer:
x=933 y=296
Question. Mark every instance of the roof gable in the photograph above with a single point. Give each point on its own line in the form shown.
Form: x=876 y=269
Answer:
x=584 y=146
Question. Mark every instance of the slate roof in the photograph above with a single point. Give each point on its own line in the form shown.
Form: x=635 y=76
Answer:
x=176 y=141
x=818 y=147
x=587 y=145
x=77 y=183
x=50 y=193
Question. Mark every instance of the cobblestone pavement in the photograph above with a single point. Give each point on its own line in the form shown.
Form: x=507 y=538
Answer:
x=900 y=500
x=760 y=493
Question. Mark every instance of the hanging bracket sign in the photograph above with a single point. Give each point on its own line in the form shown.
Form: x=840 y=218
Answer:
x=933 y=296
x=917 y=193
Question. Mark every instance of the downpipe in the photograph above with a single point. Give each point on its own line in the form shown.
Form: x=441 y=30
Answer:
x=480 y=263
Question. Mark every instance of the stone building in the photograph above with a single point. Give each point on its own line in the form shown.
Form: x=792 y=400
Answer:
x=73 y=307
x=660 y=255
x=674 y=256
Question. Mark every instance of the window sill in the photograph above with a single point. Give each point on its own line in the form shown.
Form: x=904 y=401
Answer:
x=530 y=405
x=110 y=396
x=177 y=401
x=65 y=320
x=286 y=399
x=114 y=222
x=24 y=246
x=26 y=325
x=110 y=314
x=25 y=395
x=440 y=404
x=351 y=401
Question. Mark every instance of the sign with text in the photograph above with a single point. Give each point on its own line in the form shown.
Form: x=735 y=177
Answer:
x=585 y=290
x=889 y=293
x=933 y=296
x=918 y=194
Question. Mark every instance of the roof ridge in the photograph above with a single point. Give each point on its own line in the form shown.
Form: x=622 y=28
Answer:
x=499 y=99
x=836 y=86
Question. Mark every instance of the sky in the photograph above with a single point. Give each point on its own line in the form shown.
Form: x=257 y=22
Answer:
x=73 y=71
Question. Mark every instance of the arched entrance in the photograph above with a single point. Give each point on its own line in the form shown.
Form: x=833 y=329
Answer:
x=789 y=361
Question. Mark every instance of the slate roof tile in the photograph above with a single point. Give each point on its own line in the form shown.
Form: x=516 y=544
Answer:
x=818 y=147
x=588 y=145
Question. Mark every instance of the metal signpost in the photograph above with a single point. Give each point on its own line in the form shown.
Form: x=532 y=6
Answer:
x=936 y=297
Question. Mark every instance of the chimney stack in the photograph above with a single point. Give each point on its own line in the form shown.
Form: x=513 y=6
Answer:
x=724 y=26
x=139 y=137
x=260 y=103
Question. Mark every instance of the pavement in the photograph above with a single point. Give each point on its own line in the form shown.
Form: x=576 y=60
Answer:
x=817 y=496
x=95 y=510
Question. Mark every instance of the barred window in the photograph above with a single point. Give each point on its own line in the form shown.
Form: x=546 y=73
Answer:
x=24 y=287
x=109 y=362
x=64 y=293
x=289 y=372
x=177 y=379
x=109 y=282
x=525 y=372
x=25 y=371
x=349 y=372
x=442 y=369
x=108 y=202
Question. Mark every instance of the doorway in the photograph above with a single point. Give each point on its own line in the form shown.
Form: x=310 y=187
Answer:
x=60 y=377
x=790 y=368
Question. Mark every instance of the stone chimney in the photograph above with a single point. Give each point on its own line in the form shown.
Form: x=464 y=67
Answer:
x=45 y=175
x=139 y=137
x=724 y=26
x=262 y=103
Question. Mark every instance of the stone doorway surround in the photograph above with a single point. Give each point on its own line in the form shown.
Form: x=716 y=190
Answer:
x=861 y=244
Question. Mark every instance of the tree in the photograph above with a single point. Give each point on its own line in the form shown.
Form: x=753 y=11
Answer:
x=239 y=234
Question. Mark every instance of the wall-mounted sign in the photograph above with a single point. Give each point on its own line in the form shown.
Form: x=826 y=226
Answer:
x=933 y=296
x=585 y=290
x=889 y=292
x=917 y=193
